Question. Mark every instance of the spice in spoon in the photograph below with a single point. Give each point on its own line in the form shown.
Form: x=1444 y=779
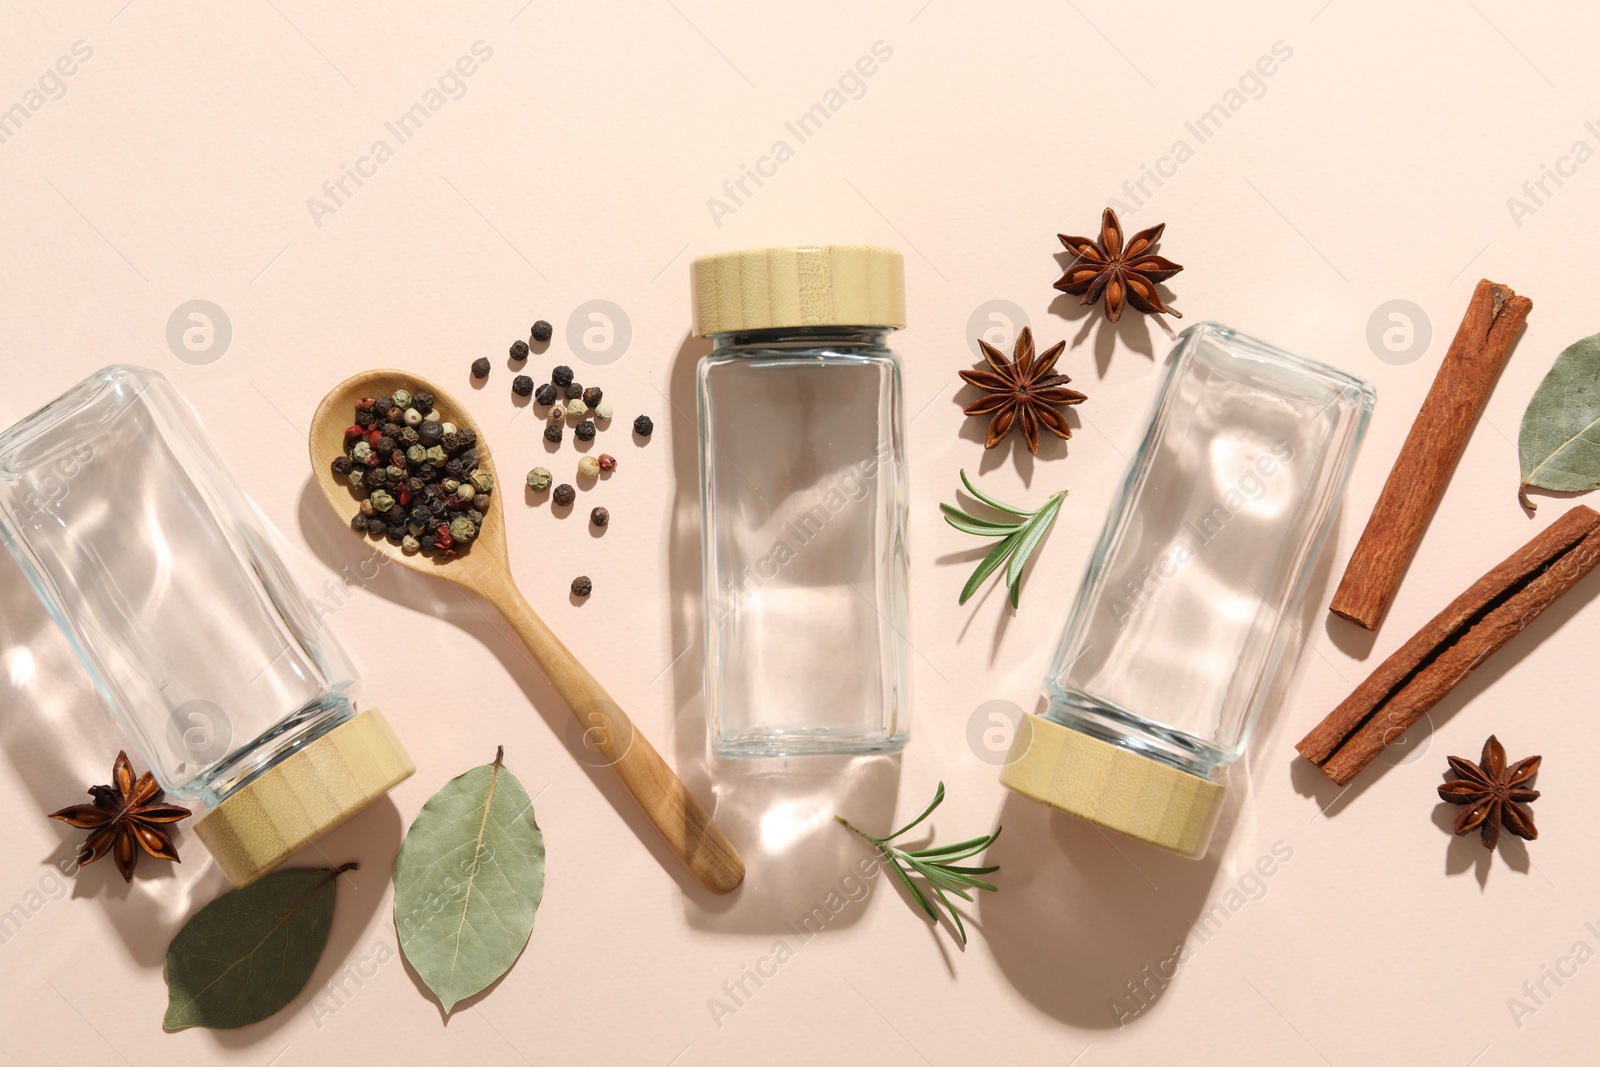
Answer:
x=417 y=478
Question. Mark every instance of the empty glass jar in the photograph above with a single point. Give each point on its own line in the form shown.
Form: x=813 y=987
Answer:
x=1188 y=602
x=803 y=498
x=164 y=577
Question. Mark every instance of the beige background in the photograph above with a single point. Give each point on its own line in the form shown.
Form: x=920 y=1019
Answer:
x=1374 y=164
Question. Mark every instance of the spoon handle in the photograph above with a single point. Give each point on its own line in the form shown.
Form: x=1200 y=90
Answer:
x=687 y=827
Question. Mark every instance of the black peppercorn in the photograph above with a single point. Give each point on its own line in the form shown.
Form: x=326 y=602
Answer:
x=425 y=542
x=584 y=431
x=395 y=516
x=480 y=367
x=427 y=472
x=359 y=523
x=382 y=406
x=414 y=485
x=452 y=441
x=429 y=433
x=366 y=420
x=552 y=433
x=408 y=437
x=541 y=332
x=468 y=436
x=454 y=469
x=564 y=495
x=545 y=394
x=438 y=507
x=561 y=376
x=396 y=417
x=574 y=390
x=593 y=395
x=423 y=402
x=341 y=464
x=599 y=516
x=385 y=445
x=396 y=531
x=519 y=350
x=643 y=426
x=420 y=515
x=582 y=586
x=476 y=516
x=522 y=385
x=469 y=460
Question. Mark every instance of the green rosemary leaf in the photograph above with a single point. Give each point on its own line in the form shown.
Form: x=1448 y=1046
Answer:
x=956 y=513
x=937 y=873
x=916 y=894
x=987 y=499
x=938 y=798
x=955 y=916
x=986 y=568
x=942 y=851
x=1032 y=534
x=939 y=878
x=979 y=531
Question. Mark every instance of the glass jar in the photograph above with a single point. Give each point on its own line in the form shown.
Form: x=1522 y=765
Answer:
x=1187 y=604
x=164 y=578
x=803 y=495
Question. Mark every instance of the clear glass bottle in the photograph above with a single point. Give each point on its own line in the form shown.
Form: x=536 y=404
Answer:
x=164 y=577
x=803 y=499
x=1189 y=597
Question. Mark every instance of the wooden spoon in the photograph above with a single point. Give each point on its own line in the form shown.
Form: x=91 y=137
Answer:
x=483 y=570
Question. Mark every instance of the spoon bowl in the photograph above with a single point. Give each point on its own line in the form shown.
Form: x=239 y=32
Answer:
x=482 y=567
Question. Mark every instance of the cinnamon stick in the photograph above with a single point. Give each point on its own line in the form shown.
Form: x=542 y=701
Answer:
x=1453 y=644
x=1434 y=446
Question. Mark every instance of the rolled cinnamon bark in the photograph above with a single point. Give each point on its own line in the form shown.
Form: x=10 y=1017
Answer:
x=1453 y=644
x=1434 y=446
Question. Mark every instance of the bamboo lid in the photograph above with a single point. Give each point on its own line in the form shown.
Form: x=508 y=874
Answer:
x=303 y=797
x=1113 y=787
x=810 y=285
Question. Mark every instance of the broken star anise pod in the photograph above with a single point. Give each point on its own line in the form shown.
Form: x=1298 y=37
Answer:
x=126 y=816
x=1125 y=275
x=1022 y=392
x=1492 y=794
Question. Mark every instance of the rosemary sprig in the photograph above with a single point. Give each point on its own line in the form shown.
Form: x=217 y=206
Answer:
x=935 y=864
x=1020 y=533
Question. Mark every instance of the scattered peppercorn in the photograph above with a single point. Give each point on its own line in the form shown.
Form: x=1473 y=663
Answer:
x=561 y=376
x=582 y=586
x=519 y=350
x=545 y=394
x=541 y=331
x=552 y=433
x=592 y=395
x=607 y=462
x=599 y=516
x=539 y=479
x=557 y=412
x=565 y=495
x=602 y=411
x=522 y=385
x=643 y=426
x=589 y=467
x=577 y=409
x=574 y=390
x=584 y=431
x=480 y=367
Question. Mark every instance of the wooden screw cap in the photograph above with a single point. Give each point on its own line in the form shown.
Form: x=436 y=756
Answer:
x=810 y=285
x=304 y=796
x=1113 y=787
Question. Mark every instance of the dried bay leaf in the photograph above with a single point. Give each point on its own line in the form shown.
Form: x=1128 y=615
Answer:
x=467 y=882
x=1560 y=439
x=249 y=952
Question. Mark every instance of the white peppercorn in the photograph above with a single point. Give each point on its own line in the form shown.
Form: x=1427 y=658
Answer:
x=413 y=417
x=589 y=467
x=577 y=409
x=602 y=411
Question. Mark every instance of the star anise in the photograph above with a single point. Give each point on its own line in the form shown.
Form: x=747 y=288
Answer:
x=1125 y=275
x=126 y=816
x=1022 y=392
x=1491 y=793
